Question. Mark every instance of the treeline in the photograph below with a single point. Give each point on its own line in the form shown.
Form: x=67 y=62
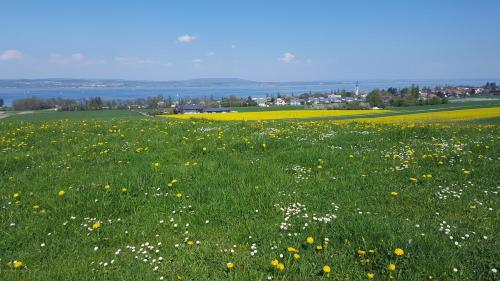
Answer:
x=403 y=97
x=97 y=103
x=92 y=103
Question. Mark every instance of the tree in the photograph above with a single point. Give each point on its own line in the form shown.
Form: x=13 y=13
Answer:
x=374 y=98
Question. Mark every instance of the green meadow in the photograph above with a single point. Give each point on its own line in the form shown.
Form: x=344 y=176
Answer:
x=118 y=196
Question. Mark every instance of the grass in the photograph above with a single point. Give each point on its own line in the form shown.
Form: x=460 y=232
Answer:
x=243 y=187
x=72 y=115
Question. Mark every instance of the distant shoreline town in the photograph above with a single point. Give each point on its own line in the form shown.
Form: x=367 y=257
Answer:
x=338 y=99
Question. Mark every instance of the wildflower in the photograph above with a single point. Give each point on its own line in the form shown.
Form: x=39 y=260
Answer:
x=61 y=193
x=291 y=250
x=96 y=225
x=190 y=243
x=413 y=180
x=391 y=267
x=466 y=172
x=264 y=146
x=16 y=196
x=310 y=240
x=124 y=189
x=361 y=252
x=370 y=275
x=204 y=149
x=15 y=264
x=229 y=265
x=326 y=269
x=280 y=266
x=399 y=252
x=319 y=248
x=156 y=165
x=107 y=186
x=275 y=262
x=296 y=256
x=178 y=195
x=394 y=194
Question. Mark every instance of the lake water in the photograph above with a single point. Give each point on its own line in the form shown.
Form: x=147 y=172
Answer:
x=10 y=94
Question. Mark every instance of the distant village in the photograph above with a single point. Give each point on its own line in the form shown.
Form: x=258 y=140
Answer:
x=340 y=99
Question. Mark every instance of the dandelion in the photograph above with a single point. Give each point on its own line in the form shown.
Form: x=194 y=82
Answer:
x=296 y=256
x=399 y=252
x=319 y=248
x=15 y=264
x=394 y=194
x=391 y=267
x=280 y=266
x=326 y=269
x=291 y=250
x=204 y=149
x=413 y=180
x=310 y=240
x=156 y=165
x=124 y=189
x=107 y=186
x=361 y=252
x=61 y=193
x=178 y=195
x=263 y=146
x=16 y=196
x=466 y=172
x=370 y=275
x=275 y=262
x=96 y=225
x=229 y=265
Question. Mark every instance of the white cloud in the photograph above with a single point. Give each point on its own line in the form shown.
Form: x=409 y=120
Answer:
x=197 y=60
x=186 y=38
x=136 y=60
x=11 y=55
x=64 y=59
x=288 y=57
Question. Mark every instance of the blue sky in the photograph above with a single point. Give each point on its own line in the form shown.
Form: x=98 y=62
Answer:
x=260 y=40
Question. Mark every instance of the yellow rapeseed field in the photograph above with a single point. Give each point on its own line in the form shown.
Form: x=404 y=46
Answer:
x=271 y=115
x=429 y=117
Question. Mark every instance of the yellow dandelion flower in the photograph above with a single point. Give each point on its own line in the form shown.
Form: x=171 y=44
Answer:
x=413 y=179
x=319 y=248
x=204 y=149
x=391 y=267
x=107 y=186
x=326 y=269
x=96 y=225
x=229 y=265
x=399 y=252
x=178 y=195
x=296 y=256
x=370 y=275
x=361 y=252
x=280 y=266
x=15 y=264
x=291 y=250
x=16 y=196
x=124 y=189
x=156 y=165
x=310 y=240
x=394 y=194
x=61 y=193
x=275 y=262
